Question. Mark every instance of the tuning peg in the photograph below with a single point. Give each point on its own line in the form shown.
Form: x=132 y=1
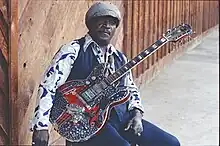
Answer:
x=181 y=41
x=168 y=30
x=173 y=44
x=192 y=35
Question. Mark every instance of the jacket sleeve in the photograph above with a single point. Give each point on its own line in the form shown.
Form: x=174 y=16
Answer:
x=135 y=100
x=55 y=75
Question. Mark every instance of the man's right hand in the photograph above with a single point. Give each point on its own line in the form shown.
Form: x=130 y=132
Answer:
x=40 y=138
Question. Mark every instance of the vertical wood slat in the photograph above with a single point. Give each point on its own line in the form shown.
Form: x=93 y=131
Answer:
x=175 y=20
x=127 y=29
x=134 y=33
x=4 y=110
x=187 y=5
x=13 y=71
x=172 y=22
x=154 y=55
x=151 y=22
x=146 y=32
x=179 y=17
x=157 y=29
x=4 y=97
x=160 y=27
x=141 y=31
x=164 y=23
x=168 y=23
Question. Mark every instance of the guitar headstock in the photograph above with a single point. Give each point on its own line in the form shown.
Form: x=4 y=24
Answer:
x=178 y=32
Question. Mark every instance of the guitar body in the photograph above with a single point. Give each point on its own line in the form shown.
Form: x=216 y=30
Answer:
x=81 y=107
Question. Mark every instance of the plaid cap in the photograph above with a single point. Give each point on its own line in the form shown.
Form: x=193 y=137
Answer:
x=102 y=9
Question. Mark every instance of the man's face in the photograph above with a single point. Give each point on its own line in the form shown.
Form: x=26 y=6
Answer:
x=102 y=29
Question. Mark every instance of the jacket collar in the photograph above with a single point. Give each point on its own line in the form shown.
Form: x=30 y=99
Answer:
x=88 y=41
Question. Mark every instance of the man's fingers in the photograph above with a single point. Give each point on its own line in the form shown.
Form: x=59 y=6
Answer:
x=129 y=125
x=36 y=142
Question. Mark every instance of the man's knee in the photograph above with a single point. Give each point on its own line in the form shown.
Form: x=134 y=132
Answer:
x=175 y=142
x=123 y=143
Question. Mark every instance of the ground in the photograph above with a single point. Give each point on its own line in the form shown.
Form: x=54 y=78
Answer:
x=184 y=98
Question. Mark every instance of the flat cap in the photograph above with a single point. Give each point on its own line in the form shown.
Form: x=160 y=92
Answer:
x=102 y=9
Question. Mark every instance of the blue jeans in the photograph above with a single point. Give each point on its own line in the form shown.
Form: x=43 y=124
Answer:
x=113 y=134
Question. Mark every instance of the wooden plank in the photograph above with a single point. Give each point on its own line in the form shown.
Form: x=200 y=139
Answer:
x=4 y=10
x=146 y=31
x=3 y=47
x=4 y=19
x=3 y=137
x=200 y=17
x=127 y=28
x=4 y=112
x=160 y=30
x=178 y=21
x=155 y=54
x=175 y=21
x=187 y=5
x=3 y=26
x=168 y=9
x=171 y=20
x=180 y=18
x=165 y=26
x=141 y=32
x=3 y=75
x=209 y=14
x=13 y=71
x=152 y=29
x=134 y=33
x=205 y=12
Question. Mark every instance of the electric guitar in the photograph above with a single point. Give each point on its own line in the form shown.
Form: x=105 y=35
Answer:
x=81 y=107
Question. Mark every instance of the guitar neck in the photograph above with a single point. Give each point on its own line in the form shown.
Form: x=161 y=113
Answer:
x=135 y=61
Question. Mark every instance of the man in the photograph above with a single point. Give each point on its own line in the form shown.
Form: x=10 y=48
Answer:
x=76 y=61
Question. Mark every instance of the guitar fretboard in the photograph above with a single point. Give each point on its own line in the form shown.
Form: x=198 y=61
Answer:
x=135 y=61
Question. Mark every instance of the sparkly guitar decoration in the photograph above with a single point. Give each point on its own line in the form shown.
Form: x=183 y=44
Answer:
x=81 y=107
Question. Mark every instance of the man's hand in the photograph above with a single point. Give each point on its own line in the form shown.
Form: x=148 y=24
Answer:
x=136 y=122
x=40 y=138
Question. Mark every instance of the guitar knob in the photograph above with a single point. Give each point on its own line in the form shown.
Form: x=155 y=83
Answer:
x=87 y=82
x=93 y=78
x=92 y=124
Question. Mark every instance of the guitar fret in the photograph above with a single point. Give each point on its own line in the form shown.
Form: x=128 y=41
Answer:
x=111 y=77
x=139 y=56
x=123 y=70
x=108 y=80
x=125 y=67
x=133 y=61
x=154 y=46
x=119 y=72
x=146 y=52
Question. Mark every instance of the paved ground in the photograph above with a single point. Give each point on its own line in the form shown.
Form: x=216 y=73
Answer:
x=184 y=98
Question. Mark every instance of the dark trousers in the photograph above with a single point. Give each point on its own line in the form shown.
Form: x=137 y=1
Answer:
x=113 y=134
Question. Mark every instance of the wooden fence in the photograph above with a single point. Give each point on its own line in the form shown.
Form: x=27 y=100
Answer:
x=145 y=21
x=31 y=32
